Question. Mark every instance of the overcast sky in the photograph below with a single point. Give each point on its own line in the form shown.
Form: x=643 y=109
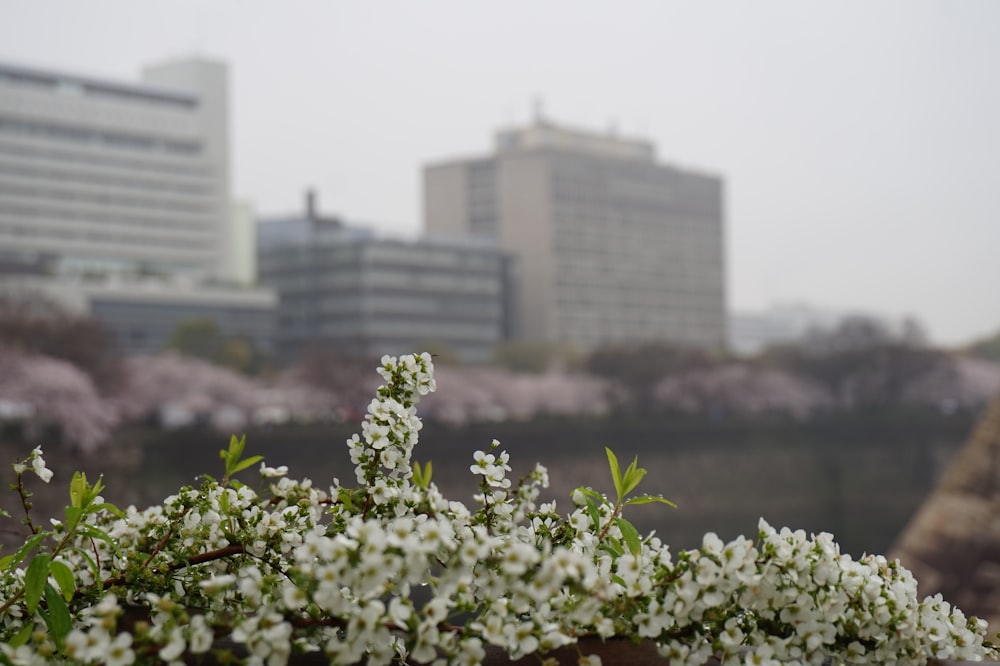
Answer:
x=859 y=139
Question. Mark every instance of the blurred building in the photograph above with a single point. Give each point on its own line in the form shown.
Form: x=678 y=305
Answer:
x=345 y=287
x=115 y=200
x=752 y=332
x=611 y=245
x=103 y=175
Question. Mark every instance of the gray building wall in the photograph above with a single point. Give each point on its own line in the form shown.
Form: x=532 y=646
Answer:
x=349 y=289
x=611 y=245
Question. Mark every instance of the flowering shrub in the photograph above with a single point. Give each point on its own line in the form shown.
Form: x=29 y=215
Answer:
x=389 y=569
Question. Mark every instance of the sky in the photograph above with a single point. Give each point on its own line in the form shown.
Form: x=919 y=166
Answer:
x=859 y=140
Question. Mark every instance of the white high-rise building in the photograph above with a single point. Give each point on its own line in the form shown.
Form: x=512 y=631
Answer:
x=610 y=245
x=107 y=176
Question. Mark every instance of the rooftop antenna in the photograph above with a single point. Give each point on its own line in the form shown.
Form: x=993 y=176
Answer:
x=539 y=110
x=311 y=203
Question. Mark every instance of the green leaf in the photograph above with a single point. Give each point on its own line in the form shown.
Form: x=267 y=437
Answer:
x=90 y=560
x=64 y=578
x=96 y=533
x=649 y=499
x=5 y=561
x=34 y=580
x=234 y=453
x=110 y=508
x=56 y=615
x=73 y=516
x=344 y=495
x=615 y=544
x=616 y=472
x=243 y=464
x=422 y=476
x=22 y=636
x=595 y=515
x=630 y=534
x=78 y=489
x=30 y=544
x=95 y=490
x=633 y=475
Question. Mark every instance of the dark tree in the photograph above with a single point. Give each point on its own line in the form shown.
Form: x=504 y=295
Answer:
x=637 y=369
x=42 y=328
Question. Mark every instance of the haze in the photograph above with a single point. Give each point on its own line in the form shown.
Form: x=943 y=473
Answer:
x=860 y=141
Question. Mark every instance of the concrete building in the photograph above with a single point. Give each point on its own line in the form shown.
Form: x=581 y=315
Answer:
x=345 y=287
x=611 y=245
x=100 y=175
x=752 y=332
x=115 y=202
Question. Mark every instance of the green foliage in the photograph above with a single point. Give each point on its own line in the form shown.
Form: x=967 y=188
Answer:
x=201 y=337
x=639 y=368
x=606 y=514
x=422 y=476
x=534 y=357
x=233 y=457
x=987 y=348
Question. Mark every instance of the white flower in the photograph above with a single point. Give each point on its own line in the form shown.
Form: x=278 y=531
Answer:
x=273 y=472
x=120 y=651
x=174 y=647
x=216 y=584
x=200 y=638
x=38 y=465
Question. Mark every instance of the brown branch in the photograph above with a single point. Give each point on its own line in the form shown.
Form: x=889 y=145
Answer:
x=232 y=549
x=201 y=558
x=26 y=504
x=159 y=546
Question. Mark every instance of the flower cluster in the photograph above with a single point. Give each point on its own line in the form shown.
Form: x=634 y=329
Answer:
x=391 y=570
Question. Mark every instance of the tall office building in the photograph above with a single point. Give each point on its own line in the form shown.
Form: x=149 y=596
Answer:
x=345 y=287
x=106 y=176
x=115 y=202
x=611 y=246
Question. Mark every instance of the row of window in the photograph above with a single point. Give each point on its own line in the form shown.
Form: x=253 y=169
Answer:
x=652 y=287
x=90 y=176
x=66 y=85
x=389 y=327
x=48 y=213
x=62 y=235
x=77 y=197
x=116 y=140
x=188 y=169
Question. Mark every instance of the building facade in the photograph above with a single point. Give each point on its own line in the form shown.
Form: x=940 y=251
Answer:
x=345 y=287
x=104 y=176
x=611 y=246
x=115 y=202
